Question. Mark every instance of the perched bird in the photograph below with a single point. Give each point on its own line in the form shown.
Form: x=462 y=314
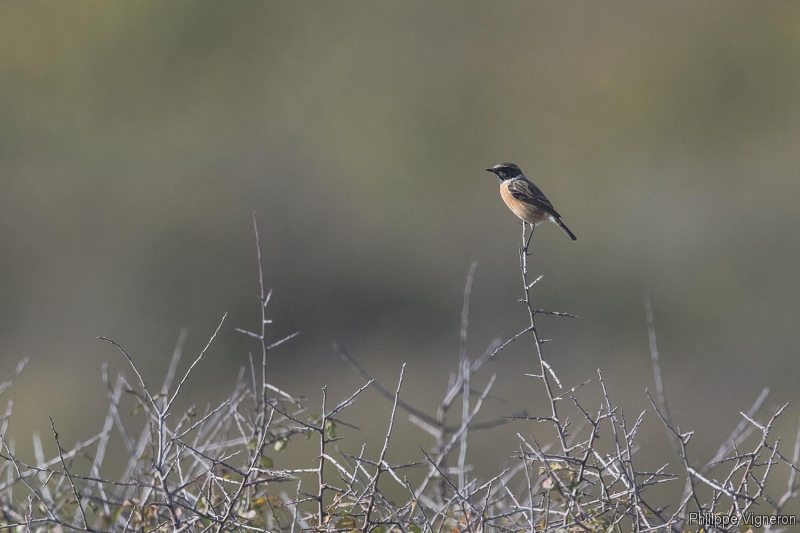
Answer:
x=525 y=199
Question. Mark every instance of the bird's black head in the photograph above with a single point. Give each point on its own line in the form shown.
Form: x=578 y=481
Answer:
x=505 y=171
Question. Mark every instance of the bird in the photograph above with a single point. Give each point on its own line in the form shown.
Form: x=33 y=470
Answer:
x=525 y=199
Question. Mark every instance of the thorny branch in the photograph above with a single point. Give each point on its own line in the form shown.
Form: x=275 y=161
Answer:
x=213 y=468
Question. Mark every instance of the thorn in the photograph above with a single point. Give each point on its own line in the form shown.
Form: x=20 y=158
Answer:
x=534 y=282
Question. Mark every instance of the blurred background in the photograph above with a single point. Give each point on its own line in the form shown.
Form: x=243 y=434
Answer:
x=136 y=140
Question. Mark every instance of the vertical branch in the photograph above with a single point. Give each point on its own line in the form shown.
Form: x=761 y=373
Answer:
x=792 y=485
x=259 y=428
x=264 y=299
x=465 y=368
x=465 y=308
x=381 y=465
x=69 y=476
x=465 y=409
x=323 y=440
x=456 y=384
x=660 y=394
x=543 y=366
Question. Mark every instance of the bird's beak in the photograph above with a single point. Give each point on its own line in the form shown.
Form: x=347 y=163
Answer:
x=490 y=170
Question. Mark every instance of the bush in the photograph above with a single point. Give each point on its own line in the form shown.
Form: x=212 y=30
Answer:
x=212 y=472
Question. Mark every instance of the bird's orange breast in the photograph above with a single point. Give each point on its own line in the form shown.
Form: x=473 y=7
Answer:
x=525 y=211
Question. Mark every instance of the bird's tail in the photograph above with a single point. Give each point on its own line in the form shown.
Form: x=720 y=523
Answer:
x=565 y=228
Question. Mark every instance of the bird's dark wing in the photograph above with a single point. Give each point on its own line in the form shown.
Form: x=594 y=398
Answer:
x=525 y=191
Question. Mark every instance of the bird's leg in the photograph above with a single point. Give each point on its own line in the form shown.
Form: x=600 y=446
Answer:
x=528 y=242
x=524 y=248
